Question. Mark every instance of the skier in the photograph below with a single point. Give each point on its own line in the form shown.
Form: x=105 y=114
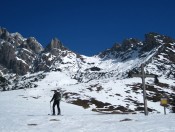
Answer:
x=56 y=97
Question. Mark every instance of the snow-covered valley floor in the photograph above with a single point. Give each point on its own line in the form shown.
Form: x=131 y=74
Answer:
x=20 y=111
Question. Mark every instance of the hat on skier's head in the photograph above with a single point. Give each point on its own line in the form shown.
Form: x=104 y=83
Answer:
x=59 y=89
x=54 y=90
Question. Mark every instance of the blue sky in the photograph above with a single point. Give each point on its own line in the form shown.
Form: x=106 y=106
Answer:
x=88 y=26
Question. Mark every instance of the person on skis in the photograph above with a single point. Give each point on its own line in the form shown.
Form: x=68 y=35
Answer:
x=56 y=98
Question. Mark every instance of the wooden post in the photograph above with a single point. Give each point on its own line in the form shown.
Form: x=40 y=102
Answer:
x=144 y=90
x=143 y=76
x=164 y=110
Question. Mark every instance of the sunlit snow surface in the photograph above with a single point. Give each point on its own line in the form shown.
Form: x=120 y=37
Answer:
x=20 y=112
x=27 y=110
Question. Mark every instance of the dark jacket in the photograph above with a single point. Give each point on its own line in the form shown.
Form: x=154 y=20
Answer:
x=56 y=97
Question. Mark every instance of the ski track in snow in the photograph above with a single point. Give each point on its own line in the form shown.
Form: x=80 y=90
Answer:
x=21 y=112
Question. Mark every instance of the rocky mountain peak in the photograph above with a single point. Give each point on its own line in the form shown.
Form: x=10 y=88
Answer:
x=116 y=47
x=34 y=45
x=4 y=34
x=129 y=43
x=55 y=47
x=17 y=39
x=17 y=53
x=153 y=40
x=54 y=44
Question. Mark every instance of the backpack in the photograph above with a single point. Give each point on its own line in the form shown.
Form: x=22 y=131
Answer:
x=57 y=96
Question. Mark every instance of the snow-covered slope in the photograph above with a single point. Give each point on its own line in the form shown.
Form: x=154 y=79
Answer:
x=27 y=111
x=104 y=95
x=99 y=83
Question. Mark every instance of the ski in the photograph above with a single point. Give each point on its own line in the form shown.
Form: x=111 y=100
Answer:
x=54 y=115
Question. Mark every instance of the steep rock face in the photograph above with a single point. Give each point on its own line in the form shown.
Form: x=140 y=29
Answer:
x=119 y=50
x=4 y=34
x=32 y=45
x=30 y=52
x=153 y=40
x=20 y=67
x=7 y=54
x=130 y=46
x=163 y=61
x=10 y=60
x=53 y=52
x=17 y=53
x=54 y=46
x=17 y=39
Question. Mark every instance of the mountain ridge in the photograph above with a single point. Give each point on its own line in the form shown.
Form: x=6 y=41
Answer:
x=24 y=63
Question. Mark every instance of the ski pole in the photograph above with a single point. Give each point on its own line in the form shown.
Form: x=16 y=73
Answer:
x=50 y=108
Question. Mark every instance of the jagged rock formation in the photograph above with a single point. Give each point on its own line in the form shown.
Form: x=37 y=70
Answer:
x=20 y=56
x=17 y=54
x=156 y=49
